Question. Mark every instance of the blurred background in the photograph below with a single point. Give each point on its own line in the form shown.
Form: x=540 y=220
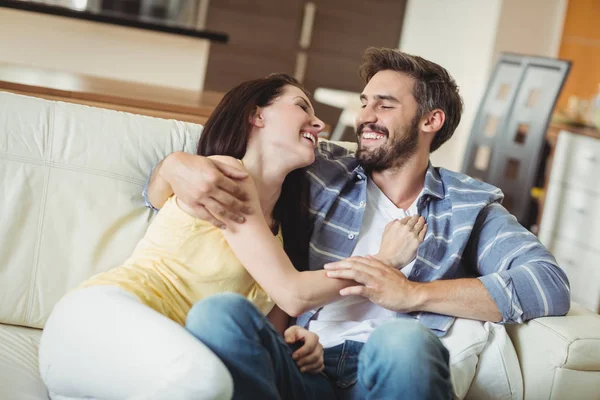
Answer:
x=175 y=58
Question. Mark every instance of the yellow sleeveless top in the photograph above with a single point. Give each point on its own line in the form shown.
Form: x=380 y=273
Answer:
x=179 y=261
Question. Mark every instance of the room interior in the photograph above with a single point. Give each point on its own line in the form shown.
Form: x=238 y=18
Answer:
x=174 y=59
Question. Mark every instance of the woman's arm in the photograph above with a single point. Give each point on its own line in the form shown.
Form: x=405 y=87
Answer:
x=263 y=256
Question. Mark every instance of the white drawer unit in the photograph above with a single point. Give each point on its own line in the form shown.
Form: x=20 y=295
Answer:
x=581 y=266
x=575 y=215
x=577 y=161
x=570 y=225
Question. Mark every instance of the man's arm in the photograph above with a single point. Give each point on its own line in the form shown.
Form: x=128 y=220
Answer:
x=466 y=298
x=389 y=288
x=157 y=190
x=519 y=273
x=520 y=278
x=208 y=187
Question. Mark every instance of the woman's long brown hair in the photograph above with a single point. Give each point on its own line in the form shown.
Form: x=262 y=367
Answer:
x=227 y=132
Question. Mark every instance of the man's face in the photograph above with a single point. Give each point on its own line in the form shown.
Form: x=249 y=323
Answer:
x=387 y=126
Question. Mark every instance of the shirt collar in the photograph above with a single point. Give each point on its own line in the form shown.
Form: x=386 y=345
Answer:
x=433 y=183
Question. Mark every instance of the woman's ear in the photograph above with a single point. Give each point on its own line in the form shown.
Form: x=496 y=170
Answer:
x=256 y=119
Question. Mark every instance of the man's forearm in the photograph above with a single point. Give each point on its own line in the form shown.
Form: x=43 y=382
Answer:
x=466 y=298
x=159 y=190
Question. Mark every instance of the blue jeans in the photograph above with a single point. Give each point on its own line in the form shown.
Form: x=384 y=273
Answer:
x=402 y=359
x=256 y=355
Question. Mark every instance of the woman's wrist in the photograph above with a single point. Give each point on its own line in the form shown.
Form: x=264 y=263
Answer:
x=385 y=259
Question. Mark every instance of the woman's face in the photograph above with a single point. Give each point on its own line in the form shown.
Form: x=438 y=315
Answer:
x=289 y=128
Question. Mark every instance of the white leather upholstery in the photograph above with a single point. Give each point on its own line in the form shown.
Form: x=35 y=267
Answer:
x=560 y=356
x=70 y=205
x=19 y=376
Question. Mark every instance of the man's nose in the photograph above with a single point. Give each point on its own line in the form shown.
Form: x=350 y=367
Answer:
x=366 y=116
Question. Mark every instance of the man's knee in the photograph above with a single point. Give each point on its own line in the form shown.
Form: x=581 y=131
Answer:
x=403 y=340
x=228 y=309
x=405 y=359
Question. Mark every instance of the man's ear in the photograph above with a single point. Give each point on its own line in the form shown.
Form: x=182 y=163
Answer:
x=256 y=119
x=433 y=121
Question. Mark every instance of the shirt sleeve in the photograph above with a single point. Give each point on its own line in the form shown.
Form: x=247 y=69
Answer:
x=520 y=274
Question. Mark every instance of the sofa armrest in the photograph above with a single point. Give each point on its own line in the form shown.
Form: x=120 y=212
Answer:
x=559 y=354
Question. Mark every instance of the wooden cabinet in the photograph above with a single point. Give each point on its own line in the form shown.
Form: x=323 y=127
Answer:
x=321 y=42
x=154 y=101
x=263 y=38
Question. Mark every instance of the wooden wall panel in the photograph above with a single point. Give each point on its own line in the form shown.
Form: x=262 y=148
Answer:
x=263 y=38
x=581 y=44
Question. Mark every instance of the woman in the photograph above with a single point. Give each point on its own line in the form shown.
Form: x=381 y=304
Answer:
x=121 y=334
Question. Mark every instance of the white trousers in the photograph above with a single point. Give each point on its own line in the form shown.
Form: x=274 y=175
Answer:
x=101 y=342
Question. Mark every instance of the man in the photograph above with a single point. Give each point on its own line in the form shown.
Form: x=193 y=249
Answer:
x=476 y=261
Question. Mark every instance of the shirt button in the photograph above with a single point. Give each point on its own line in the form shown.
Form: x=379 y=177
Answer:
x=362 y=204
x=359 y=177
x=351 y=236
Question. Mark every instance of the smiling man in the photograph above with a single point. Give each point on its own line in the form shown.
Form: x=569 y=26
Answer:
x=381 y=338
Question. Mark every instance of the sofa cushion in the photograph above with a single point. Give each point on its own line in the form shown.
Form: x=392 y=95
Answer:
x=559 y=355
x=483 y=361
x=72 y=178
x=464 y=340
x=498 y=374
x=20 y=378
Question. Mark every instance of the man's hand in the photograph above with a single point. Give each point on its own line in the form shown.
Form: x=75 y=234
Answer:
x=381 y=284
x=207 y=187
x=309 y=357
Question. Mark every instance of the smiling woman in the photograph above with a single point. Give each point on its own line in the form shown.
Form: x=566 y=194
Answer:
x=183 y=260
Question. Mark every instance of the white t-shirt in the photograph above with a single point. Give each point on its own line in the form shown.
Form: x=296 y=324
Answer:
x=355 y=317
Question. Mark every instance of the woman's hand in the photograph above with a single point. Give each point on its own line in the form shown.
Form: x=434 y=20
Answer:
x=309 y=357
x=401 y=238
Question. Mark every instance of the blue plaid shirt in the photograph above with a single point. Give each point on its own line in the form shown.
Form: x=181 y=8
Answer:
x=469 y=234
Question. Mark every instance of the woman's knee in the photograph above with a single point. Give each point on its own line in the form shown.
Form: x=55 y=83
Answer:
x=193 y=377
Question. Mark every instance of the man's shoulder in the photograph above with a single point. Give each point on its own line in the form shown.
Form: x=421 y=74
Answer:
x=336 y=150
x=333 y=161
x=463 y=188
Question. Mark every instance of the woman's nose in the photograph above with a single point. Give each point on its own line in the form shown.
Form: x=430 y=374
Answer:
x=317 y=123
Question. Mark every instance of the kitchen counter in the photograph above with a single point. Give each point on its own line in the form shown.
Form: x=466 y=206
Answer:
x=116 y=18
x=156 y=101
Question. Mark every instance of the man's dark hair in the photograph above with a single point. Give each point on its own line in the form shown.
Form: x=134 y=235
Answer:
x=434 y=87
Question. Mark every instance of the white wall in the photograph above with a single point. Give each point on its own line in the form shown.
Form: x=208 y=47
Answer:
x=465 y=36
x=531 y=27
x=102 y=50
x=460 y=36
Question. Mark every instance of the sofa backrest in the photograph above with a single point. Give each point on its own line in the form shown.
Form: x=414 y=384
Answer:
x=71 y=178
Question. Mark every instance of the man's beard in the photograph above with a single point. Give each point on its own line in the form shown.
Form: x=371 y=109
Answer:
x=392 y=154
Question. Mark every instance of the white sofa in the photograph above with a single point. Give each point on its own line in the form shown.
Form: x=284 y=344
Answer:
x=70 y=205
